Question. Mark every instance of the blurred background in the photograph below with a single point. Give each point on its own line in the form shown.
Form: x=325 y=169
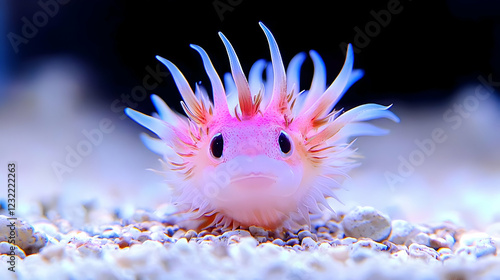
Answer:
x=70 y=67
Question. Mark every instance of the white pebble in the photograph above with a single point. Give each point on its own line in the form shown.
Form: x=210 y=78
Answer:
x=367 y=222
x=422 y=252
x=6 y=248
x=402 y=231
x=422 y=239
x=309 y=243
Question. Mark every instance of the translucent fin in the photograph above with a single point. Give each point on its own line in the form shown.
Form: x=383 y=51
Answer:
x=244 y=95
x=255 y=77
x=164 y=111
x=157 y=126
x=330 y=97
x=279 y=76
x=183 y=86
x=217 y=89
x=318 y=84
x=293 y=73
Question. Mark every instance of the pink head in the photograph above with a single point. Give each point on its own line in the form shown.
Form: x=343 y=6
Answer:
x=263 y=153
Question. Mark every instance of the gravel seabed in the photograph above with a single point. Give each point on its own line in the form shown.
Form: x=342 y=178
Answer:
x=149 y=245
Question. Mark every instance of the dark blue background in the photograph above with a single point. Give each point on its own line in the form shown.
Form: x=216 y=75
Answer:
x=426 y=52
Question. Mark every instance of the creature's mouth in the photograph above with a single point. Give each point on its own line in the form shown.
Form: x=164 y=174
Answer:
x=254 y=181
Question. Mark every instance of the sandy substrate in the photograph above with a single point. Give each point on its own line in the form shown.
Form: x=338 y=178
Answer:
x=150 y=245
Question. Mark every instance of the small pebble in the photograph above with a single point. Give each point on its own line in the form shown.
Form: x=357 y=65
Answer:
x=159 y=236
x=8 y=249
x=445 y=253
x=261 y=239
x=364 y=249
x=279 y=242
x=422 y=239
x=334 y=227
x=26 y=238
x=368 y=223
x=323 y=230
x=401 y=232
x=190 y=234
x=170 y=230
x=370 y=244
x=134 y=232
x=480 y=247
x=347 y=241
x=258 y=231
x=393 y=248
x=143 y=237
x=340 y=253
x=109 y=234
x=178 y=234
x=308 y=243
x=422 y=252
x=292 y=241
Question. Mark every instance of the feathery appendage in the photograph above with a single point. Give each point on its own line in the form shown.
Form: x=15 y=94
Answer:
x=263 y=153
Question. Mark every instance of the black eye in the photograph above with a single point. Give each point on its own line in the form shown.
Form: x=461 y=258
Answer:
x=217 y=145
x=284 y=141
